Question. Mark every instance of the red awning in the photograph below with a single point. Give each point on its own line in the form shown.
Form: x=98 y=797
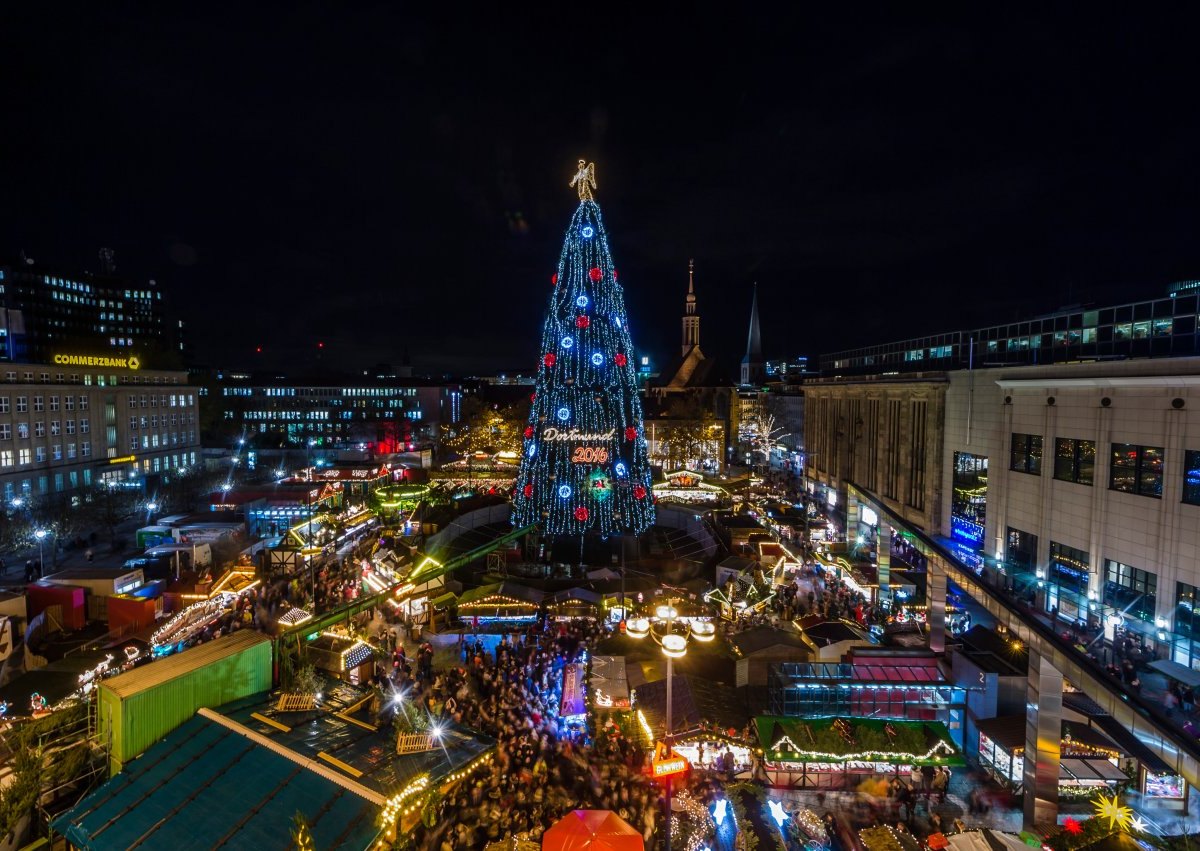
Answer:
x=593 y=830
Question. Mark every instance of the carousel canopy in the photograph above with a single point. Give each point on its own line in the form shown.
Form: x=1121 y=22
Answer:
x=592 y=830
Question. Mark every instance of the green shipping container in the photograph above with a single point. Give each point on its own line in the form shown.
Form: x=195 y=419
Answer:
x=141 y=706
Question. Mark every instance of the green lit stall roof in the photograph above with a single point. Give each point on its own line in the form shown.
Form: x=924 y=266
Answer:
x=786 y=739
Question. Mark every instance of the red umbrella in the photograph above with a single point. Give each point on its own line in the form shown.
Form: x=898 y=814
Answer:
x=592 y=830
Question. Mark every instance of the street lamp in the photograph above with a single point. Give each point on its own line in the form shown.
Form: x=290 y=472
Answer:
x=41 y=534
x=674 y=645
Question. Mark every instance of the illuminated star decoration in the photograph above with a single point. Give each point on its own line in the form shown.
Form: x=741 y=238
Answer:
x=719 y=811
x=1137 y=824
x=1071 y=826
x=1111 y=809
x=778 y=813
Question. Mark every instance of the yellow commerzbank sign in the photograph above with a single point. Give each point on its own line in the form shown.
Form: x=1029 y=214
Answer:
x=130 y=362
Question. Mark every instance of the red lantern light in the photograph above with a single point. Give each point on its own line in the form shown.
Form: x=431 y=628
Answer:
x=582 y=322
x=639 y=492
x=549 y=359
x=528 y=431
x=581 y=514
x=595 y=274
x=620 y=359
x=631 y=433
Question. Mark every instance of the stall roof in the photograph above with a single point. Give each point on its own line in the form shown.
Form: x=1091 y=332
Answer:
x=506 y=589
x=56 y=681
x=993 y=652
x=825 y=632
x=775 y=732
x=581 y=595
x=1008 y=732
x=760 y=638
x=353 y=739
x=741 y=565
x=694 y=700
x=1126 y=741
x=1175 y=671
x=169 y=797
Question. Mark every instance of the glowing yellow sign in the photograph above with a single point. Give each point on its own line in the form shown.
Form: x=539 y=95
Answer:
x=131 y=362
x=124 y=459
x=667 y=763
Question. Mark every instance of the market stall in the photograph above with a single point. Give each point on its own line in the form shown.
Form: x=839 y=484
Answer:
x=839 y=753
x=505 y=603
x=687 y=487
x=1090 y=761
x=342 y=656
x=573 y=603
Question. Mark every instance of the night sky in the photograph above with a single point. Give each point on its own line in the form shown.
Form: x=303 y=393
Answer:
x=372 y=179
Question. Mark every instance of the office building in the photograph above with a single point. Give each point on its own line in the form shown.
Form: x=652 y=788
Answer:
x=87 y=419
x=274 y=411
x=44 y=311
x=1066 y=463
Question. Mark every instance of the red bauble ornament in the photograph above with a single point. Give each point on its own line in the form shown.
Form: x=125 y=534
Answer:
x=533 y=397
x=549 y=359
x=582 y=322
x=581 y=514
x=631 y=433
x=614 y=274
x=620 y=359
x=554 y=279
x=639 y=492
x=595 y=274
x=529 y=431
x=528 y=491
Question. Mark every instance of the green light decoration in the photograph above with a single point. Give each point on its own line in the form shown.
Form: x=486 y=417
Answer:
x=584 y=464
x=600 y=485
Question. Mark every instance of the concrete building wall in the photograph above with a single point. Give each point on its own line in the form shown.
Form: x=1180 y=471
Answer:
x=1149 y=403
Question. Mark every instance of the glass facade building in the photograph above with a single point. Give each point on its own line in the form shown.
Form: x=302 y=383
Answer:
x=1165 y=327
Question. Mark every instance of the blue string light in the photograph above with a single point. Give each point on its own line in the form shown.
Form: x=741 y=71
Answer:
x=564 y=414
x=564 y=491
x=597 y=359
x=582 y=301
x=588 y=232
x=566 y=342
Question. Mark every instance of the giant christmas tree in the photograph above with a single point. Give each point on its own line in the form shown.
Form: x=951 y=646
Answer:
x=584 y=466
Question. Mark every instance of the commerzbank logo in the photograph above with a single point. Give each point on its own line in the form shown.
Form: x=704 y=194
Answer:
x=131 y=362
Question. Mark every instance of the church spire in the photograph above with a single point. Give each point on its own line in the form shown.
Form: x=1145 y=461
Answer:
x=752 y=363
x=691 y=321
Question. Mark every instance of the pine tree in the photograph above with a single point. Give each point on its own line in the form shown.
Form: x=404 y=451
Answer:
x=584 y=465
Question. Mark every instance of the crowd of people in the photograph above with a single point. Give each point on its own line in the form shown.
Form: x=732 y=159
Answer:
x=543 y=766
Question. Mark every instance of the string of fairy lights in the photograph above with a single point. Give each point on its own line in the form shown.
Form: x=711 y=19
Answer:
x=584 y=465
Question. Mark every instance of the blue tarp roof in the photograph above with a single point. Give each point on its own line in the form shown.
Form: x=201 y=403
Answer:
x=205 y=786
